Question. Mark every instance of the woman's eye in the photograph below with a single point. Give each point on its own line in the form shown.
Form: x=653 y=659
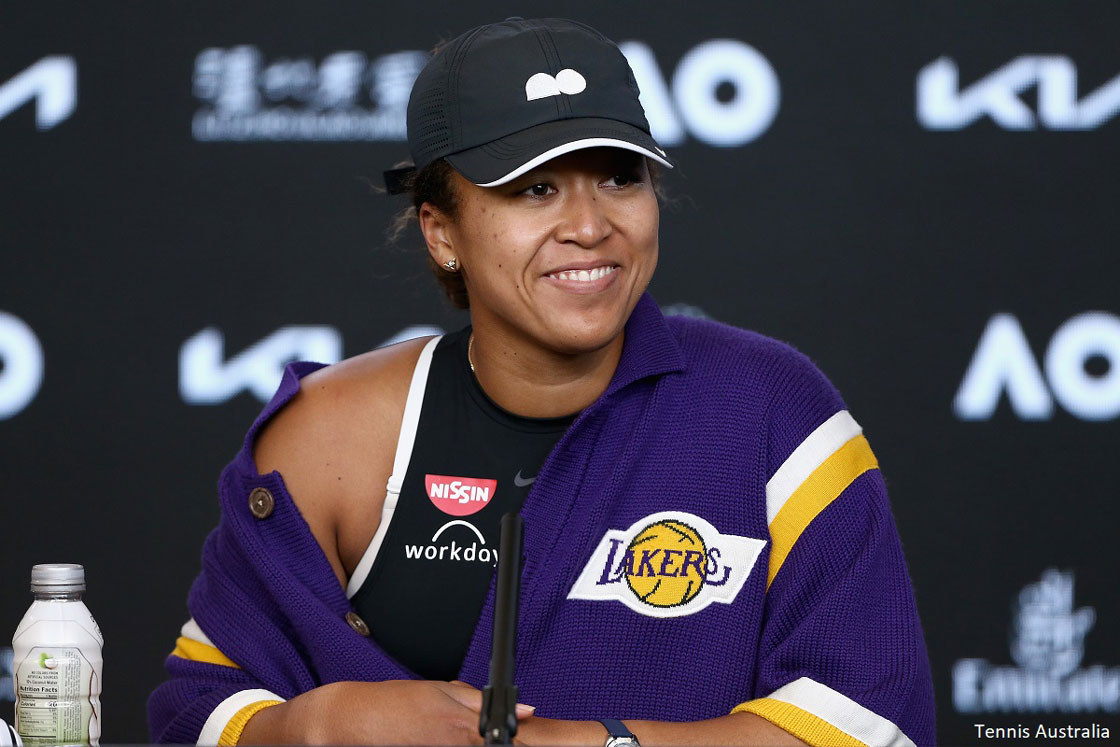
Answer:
x=622 y=180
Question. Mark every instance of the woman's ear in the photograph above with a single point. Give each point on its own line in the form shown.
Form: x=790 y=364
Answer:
x=436 y=227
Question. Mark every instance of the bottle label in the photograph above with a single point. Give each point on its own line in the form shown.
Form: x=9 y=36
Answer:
x=53 y=697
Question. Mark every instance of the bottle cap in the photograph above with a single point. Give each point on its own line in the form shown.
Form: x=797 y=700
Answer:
x=58 y=577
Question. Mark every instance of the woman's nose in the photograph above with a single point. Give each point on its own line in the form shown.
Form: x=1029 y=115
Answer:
x=585 y=221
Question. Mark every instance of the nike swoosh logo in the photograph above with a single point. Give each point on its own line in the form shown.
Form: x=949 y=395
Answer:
x=522 y=482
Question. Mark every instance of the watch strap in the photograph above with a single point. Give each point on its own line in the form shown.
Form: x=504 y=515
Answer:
x=616 y=728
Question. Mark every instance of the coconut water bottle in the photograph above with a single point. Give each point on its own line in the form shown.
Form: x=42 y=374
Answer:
x=58 y=662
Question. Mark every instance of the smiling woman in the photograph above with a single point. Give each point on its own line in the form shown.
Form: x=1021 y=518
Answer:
x=709 y=550
x=554 y=262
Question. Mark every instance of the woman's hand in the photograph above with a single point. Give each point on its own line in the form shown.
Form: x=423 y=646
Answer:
x=391 y=712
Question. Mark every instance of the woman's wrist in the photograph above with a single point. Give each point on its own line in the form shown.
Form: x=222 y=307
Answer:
x=551 y=731
x=305 y=719
x=266 y=726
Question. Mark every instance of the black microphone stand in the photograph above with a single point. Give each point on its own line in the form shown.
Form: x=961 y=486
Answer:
x=497 y=722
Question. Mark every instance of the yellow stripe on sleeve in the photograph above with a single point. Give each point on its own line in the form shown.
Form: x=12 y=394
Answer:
x=192 y=650
x=805 y=726
x=232 y=733
x=818 y=490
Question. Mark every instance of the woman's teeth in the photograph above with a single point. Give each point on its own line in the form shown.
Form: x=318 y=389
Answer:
x=584 y=275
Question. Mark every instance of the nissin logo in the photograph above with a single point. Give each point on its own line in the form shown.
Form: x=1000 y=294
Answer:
x=459 y=496
x=943 y=105
x=668 y=564
x=1081 y=370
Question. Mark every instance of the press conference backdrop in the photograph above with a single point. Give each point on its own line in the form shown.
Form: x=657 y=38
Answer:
x=920 y=197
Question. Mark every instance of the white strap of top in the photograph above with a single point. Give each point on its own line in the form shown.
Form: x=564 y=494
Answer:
x=405 y=441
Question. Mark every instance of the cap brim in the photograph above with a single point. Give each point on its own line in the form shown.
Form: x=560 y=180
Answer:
x=504 y=160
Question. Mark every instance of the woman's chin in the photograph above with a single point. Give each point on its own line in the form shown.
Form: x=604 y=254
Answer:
x=587 y=336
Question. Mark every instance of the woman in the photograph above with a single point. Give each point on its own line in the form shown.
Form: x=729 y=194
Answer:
x=709 y=553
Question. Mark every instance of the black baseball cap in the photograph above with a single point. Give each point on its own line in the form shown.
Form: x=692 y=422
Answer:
x=504 y=98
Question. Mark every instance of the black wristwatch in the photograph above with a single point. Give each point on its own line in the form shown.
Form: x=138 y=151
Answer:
x=617 y=734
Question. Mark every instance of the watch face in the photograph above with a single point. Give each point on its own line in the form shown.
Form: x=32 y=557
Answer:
x=613 y=741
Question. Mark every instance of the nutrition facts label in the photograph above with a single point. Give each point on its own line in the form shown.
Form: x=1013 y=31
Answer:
x=49 y=688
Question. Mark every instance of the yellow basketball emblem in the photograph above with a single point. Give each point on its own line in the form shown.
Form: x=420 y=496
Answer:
x=665 y=563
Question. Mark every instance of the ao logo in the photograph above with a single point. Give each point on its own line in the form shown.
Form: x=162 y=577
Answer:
x=52 y=82
x=943 y=105
x=206 y=378
x=692 y=100
x=21 y=365
x=1003 y=362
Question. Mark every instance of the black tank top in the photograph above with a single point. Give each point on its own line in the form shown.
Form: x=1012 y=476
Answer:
x=471 y=463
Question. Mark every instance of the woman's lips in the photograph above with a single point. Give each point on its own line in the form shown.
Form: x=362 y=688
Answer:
x=584 y=281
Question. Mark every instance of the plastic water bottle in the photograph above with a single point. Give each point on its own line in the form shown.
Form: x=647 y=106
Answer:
x=58 y=662
x=8 y=736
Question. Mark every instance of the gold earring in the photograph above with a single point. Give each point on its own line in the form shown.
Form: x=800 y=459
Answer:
x=452 y=265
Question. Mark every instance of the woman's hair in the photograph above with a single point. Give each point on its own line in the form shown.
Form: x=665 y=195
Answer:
x=435 y=184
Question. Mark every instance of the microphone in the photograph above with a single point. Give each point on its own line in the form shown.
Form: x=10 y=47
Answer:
x=498 y=720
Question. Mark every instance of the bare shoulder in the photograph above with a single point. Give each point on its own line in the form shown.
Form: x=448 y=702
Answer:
x=334 y=442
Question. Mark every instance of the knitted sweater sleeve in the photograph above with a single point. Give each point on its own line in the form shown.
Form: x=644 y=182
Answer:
x=239 y=651
x=842 y=659
x=268 y=616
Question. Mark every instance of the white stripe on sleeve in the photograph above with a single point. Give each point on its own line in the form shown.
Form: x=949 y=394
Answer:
x=191 y=630
x=842 y=712
x=809 y=454
x=226 y=710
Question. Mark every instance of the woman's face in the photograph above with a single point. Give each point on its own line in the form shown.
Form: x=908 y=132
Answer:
x=560 y=255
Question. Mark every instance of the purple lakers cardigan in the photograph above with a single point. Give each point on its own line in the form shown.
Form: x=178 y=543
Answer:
x=711 y=535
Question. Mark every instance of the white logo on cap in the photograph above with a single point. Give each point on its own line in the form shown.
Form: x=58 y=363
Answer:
x=543 y=85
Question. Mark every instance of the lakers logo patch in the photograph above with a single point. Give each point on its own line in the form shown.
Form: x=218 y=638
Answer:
x=668 y=564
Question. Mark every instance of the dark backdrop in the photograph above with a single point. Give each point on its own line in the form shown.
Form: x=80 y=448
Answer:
x=919 y=196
